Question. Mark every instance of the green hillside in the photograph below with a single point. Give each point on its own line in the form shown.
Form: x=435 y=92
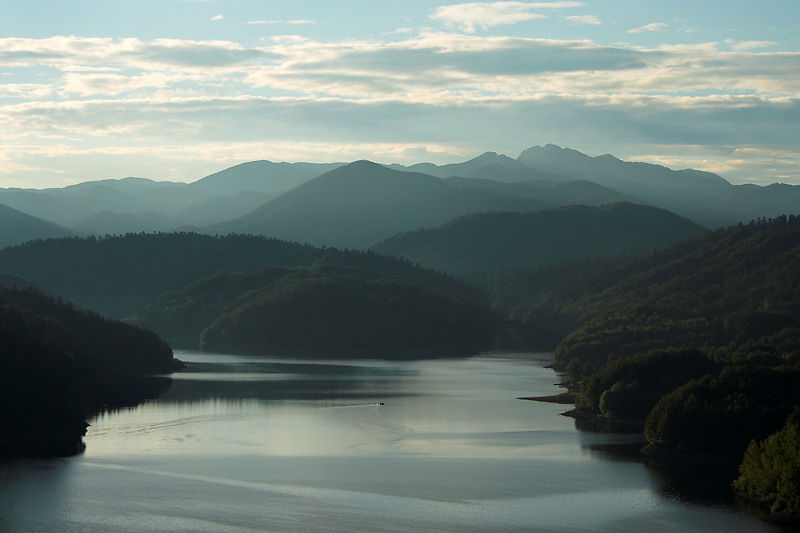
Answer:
x=116 y=276
x=510 y=241
x=699 y=343
x=323 y=311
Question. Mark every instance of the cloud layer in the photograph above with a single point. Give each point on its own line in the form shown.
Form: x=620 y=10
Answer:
x=440 y=95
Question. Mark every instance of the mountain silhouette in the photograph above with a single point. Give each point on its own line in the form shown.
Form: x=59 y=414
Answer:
x=514 y=240
x=360 y=203
x=17 y=227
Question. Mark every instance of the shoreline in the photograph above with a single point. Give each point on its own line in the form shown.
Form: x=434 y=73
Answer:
x=565 y=398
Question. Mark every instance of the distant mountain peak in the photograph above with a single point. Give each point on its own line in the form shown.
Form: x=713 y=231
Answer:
x=364 y=163
x=610 y=171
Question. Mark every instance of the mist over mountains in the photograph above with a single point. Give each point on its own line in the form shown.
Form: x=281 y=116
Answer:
x=354 y=205
x=16 y=227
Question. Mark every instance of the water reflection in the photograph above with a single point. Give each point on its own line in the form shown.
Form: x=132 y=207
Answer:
x=697 y=483
x=268 y=380
x=248 y=444
x=128 y=392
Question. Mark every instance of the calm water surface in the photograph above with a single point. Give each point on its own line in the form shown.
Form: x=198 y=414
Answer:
x=258 y=444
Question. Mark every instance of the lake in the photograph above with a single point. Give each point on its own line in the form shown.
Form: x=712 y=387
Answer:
x=246 y=444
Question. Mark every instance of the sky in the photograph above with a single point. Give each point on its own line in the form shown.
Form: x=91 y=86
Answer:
x=178 y=89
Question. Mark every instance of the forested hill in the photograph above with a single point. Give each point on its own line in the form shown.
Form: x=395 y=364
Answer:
x=699 y=343
x=732 y=291
x=117 y=276
x=58 y=365
x=321 y=311
x=509 y=241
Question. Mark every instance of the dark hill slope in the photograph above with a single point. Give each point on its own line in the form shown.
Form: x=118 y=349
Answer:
x=59 y=365
x=17 y=227
x=732 y=291
x=514 y=240
x=116 y=276
x=324 y=311
x=360 y=203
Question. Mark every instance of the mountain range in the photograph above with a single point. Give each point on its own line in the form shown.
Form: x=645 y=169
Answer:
x=358 y=204
x=17 y=227
x=507 y=241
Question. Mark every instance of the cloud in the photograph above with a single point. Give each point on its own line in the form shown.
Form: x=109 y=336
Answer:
x=290 y=22
x=87 y=53
x=469 y=17
x=416 y=91
x=399 y=31
x=740 y=46
x=109 y=84
x=588 y=20
x=655 y=26
x=217 y=18
x=196 y=132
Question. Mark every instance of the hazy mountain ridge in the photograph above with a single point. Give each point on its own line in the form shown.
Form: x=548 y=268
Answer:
x=509 y=241
x=118 y=275
x=552 y=193
x=263 y=177
x=111 y=223
x=250 y=197
x=17 y=227
x=704 y=197
x=360 y=203
x=489 y=165
x=118 y=206
x=610 y=171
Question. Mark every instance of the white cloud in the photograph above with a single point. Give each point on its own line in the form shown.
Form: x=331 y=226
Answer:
x=469 y=17
x=25 y=90
x=102 y=53
x=217 y=18
x=588 y=20
x=655 y=26
x=740 y=46
x=109 y=84
x=296 y=22
x=399 y=31
x=101 y=95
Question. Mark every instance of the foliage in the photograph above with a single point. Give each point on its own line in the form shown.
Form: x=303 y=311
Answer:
x=498 y=242
x=721 y=413
x=631 y=387
x=97 y=345
x=58 y=365
x=770 y=470
x=327 y=309
x=118 y=275
x=732 y=292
